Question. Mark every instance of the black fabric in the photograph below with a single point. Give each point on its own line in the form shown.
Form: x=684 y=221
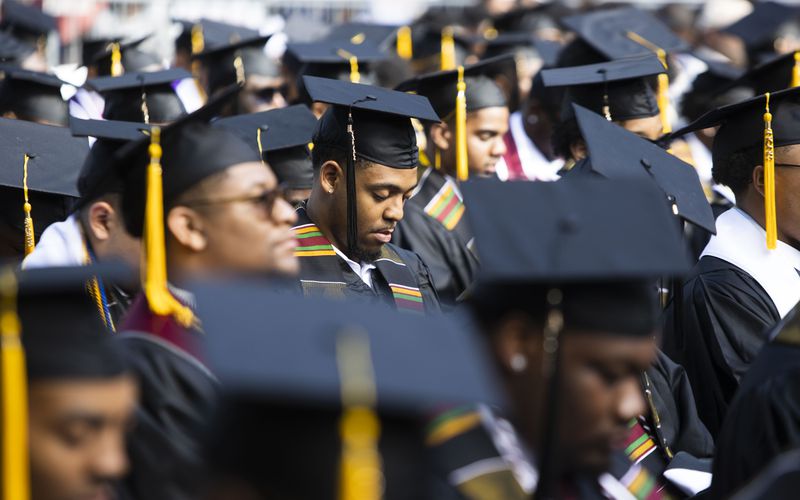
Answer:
x=163 y=105
x=33 y=96
x=380 y=138
x=292 y=167
x=191 y=153
x=221 y=62
x=770 y=76
x=46 y=209
x=723 y=316
x=447 y=253
x=13 y=50
x=627 y=100
x=26 y=20
x=177 y=397
x=761 y=26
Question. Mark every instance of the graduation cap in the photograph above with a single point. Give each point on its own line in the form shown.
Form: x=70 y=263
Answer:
x=26 y=22
x=759 y=28
x=615 y=153
x=526 y=19
x=370 y=123
x=619 y=90
x=587 y=260
x=510 y=43
x=281 y=137
x=434 y=46
x=625 y=32
x=113 y=57
x=33 y=96
x=339 y=385
x=37 y=159
x=749 y=124
x=234 y=62
x=191 y=151
x=207 y=34
x=13 y=50
x=357 y=33
x=141 y=97
x=69 y=342
x=98 y=175
x=336 y=59
x=778 y=73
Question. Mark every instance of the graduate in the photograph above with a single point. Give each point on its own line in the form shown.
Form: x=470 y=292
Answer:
x=365 y=161
x=38 y=182
x=282 y=138
x=569 y=310
x=215 y=209
x=746 y=279
x=434 y=225
x=334 y=399
x=67 y=430
x=32 y=96
x=95 y=230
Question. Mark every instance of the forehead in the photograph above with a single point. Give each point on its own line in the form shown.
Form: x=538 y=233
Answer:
x=248 y=174
x=96 y=394
x=609 y=346
x=404 y=178
x=496 y=115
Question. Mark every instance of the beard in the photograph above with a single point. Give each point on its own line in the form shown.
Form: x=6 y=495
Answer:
x=360 y=254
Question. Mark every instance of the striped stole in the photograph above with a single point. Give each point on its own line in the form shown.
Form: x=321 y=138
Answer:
x=446 y=206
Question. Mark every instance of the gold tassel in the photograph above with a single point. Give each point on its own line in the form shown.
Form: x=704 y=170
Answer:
x=238 y=65
x=15 y=474
x=405 y=46
x=358 y=38
x=355 y=76
x=198 y=45
x=769 y=180
x=145 y=109
x=796 y=70
x=30 y=236
x=437 y=159
x=116 y=60
x=448 y=55
x=424 y=161
x=158 y=296
x=462 y=164
x=361 y=476
x=663 y=80
x=260 y=147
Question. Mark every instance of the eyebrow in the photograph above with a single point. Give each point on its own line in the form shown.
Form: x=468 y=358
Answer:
x=92 y=419
x=392 y=188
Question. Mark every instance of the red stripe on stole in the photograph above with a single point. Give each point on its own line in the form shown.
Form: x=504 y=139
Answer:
x=313 y=241
x=454 y=201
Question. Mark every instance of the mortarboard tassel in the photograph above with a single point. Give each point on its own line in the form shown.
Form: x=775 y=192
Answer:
x=405 y=46
x=145 y=109
x=158 y=296
x=663 y=80
x=198 y=45
x=361 y=469
x=769 y=180
x=238 y=65
x=352 y=209
x=30 y=236
x=15 y=475
x=796 y=70
x=358 y=38
x=355 y=76
x=448 y=50
x=462 y=165
x=606 y=103
x=258 y=141
x=116 y=60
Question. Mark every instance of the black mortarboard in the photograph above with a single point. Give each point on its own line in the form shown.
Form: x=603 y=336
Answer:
x=98 y=175
x=284 y=137
x=70 y=341
x=192 y=151
x=357 y=33
x=33 y=96
x=481 y=92
x=131 y=57
x=778 y=480
x=508 y=43
x=130 y=96
x=607 y=31
x=13 y=50
x=772 y=75
x=26 y=22
x=214 y=33
x=303 y=393
x=381 y=129
x=528 y=19
x=619 y=89
x=233 y=62
x=615 y=153
x=759 y=28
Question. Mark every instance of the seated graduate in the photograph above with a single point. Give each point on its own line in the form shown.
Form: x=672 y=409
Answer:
x=69 y=398
x=434 y=225
x=219 y=211
x=746 y=279
x=365 y=168
x=331 y=396
x=39 y=169
x=570 y=310
x=32 y=96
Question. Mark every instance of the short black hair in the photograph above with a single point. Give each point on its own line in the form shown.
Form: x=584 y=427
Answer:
x=321 y=154
x=565 y=134
x=737 y=171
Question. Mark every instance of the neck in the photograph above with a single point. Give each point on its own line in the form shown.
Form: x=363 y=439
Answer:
x=319 y=213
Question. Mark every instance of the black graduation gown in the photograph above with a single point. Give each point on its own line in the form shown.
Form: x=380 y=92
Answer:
x=439 y=235
x=716 y=332
x=176 y=397
x=401 y=279
x=763 y=420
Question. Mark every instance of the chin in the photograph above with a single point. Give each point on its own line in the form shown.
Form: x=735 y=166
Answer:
x=288 y=267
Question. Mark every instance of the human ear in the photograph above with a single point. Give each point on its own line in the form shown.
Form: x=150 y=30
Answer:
x=330 y=173
x=99 y=218
x=758 y=179
x=188 y=228
x=441 y=136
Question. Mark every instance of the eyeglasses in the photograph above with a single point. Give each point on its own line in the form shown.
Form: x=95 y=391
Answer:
x=268 y=93
x=266 y=199
x=790 y=165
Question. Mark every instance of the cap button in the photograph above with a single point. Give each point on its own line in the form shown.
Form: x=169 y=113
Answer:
x=568 y=224
x=646 y=163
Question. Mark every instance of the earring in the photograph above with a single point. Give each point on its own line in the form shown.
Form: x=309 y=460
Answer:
x=330 y=191
x=518 y=363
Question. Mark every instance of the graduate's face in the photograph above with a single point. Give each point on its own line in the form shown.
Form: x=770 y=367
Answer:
x=77 y=436
x=787 y=194
x=485 y=130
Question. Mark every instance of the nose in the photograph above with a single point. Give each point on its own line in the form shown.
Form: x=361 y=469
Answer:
x=278 y=101
x=630 y=402
x=499 y=146
x=394 y=212
x=111 y=461
x=283 y=213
